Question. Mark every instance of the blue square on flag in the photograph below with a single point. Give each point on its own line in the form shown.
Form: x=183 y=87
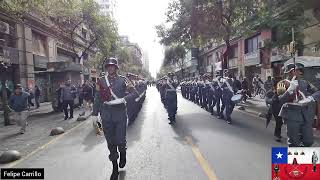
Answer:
x=279 y=155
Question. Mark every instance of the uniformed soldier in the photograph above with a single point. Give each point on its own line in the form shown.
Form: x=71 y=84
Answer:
x=299 y=119
x=110 y=102
x=131 y=104
x=171 y=97
x=211 y=99
x=218 y=96
x=200 y=85
x=195 y=91
x=205 y=92
x=228 y=90
x=162 y=90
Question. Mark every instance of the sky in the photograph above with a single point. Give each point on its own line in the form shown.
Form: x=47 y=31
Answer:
x=137 y=19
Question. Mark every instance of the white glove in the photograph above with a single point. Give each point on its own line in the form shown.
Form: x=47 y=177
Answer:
x=293 y=86
x=306 y=100
x=116 y=101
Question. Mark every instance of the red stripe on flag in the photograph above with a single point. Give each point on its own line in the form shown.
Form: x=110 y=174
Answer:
x=296 y=172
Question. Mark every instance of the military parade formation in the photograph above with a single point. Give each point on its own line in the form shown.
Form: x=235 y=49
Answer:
x=220 y=94
x=292 y=101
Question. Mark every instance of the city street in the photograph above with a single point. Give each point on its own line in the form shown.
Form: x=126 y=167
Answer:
x=198 y=146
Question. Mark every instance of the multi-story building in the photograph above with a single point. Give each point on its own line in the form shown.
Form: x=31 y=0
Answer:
x=145 y=61
x=41 y=55
x=187 y=67
x=249 y=56
x=134 y=49
x=107 y=7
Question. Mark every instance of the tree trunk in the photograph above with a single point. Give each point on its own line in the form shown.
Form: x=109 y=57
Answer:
x=182 y=73
x=5 y=104
x=225 y=59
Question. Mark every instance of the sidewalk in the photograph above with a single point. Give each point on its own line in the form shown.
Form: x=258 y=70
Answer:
x=45 y=108
x=37 y=132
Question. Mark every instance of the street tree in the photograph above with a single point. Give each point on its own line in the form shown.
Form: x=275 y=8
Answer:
x=175 y=55
x=202 y=21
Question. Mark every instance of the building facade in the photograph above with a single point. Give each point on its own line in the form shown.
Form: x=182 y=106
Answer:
x=41 y=56
x=250 y=56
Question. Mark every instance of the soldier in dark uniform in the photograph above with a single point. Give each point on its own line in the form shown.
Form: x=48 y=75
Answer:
x=211 y=99
x=110 y=102
x=200 y=85
x=218 y=96
x=171 y=97
x=205 y=92
x=299 y=119
x=228 y=90
x=131 y=104
x=194 y=90
x=162 y=91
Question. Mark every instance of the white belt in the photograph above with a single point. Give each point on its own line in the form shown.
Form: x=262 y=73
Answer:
x=173 y=90
x=114 y=102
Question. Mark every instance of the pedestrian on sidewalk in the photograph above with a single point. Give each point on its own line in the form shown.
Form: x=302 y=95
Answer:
x=274 y=107
x=268 y=85
x=68 y=94
x=18 y=102
x=31 y=96
x=87 y=93
x=113 y=92
x=58 y=95
x=245 y=87
x=37 y=94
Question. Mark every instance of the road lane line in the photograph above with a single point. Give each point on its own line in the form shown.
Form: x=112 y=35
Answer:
x=15 y=163
x=204 y=164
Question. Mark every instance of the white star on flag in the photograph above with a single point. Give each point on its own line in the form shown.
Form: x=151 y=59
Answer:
x=279 y=155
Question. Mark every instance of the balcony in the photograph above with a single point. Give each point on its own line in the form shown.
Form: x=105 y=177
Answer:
x=9 y=55
x=252 y=58
x=233 y=63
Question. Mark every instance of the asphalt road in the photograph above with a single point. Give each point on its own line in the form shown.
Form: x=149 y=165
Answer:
x=197 y=147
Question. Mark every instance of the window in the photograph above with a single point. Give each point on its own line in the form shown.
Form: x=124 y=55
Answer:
x=234 y=51
x=39 y=44
x=252 y=44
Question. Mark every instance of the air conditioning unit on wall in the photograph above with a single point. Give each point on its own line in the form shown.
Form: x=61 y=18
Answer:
x=4 y=27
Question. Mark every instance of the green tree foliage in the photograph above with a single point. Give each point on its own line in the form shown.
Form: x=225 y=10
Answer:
x=200 y=21
x=281 y=17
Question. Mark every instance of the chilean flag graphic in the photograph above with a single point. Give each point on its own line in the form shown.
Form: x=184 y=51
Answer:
x=298 y=163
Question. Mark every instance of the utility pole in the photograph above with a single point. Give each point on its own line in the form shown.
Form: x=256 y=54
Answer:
x=293 y=49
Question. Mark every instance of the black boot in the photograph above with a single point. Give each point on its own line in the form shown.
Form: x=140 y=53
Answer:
x=115 y=171
x=123 y=159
